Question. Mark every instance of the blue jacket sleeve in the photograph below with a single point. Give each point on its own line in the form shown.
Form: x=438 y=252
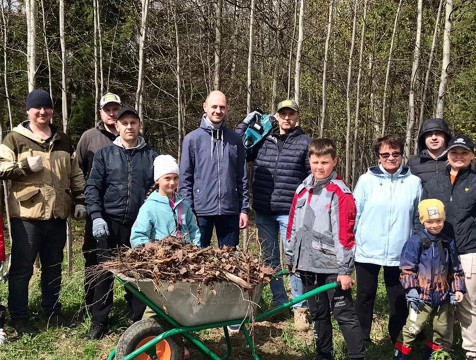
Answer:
x=409 y=261
x=96 y=186
x=359 y=198
x=242 y=181
x=142 y=229
x=187 y=166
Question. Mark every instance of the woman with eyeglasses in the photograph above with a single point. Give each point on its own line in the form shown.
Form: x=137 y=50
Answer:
x=386 y=198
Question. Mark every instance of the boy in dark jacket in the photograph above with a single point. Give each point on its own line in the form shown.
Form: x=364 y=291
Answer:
x=320 y=247
x=433 y=278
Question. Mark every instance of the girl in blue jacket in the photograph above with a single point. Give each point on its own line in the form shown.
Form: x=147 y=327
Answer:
x=164 y=213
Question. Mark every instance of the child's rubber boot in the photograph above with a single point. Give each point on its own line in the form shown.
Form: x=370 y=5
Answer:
x=401 y=351
x=430 y=348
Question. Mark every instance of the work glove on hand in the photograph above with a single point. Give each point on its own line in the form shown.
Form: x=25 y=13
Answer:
x=251 y=116
x=80 y=212
x=35 y=163
x=100 y=229
x=414 y=300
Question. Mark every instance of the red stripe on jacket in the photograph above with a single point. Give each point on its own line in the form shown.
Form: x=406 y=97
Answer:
x=292 y=211
x=347 y=213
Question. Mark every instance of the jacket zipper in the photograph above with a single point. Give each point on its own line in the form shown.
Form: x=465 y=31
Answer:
x=129 y=176
x=218 y=170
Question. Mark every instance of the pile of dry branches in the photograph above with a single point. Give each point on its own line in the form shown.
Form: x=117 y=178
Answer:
x=173 y=260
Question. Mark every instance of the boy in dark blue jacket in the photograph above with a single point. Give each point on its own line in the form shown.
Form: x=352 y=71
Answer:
x=433 y=279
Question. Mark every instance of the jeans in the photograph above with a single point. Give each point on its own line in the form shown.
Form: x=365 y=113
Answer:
x=340 y=303
x=227 y=227
x=30 y=238
x=367 y=278
x=269 y=229
x=103 y=291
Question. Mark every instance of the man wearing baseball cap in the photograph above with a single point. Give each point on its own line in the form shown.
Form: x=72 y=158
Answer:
x=120 y=177
x=46 y=181
x=103 y=134
x=280 y=164
x=456 y=188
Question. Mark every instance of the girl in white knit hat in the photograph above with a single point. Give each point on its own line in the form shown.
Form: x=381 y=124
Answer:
x=165 y=213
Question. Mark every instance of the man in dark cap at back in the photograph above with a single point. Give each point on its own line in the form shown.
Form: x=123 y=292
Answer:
x=432 y=142
x=45 y=183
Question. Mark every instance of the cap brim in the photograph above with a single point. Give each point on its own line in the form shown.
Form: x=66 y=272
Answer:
x=287 y=107
x=110 y=102
x=461 y=146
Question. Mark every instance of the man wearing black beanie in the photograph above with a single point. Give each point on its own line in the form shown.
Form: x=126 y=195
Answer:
x=45 y=183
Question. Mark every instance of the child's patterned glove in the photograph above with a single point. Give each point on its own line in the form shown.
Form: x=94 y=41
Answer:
x=414 y=300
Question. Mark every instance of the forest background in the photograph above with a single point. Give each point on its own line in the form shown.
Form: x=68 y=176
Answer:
x=358 y=68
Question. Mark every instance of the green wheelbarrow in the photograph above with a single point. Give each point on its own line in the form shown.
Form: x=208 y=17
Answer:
x=180 y=313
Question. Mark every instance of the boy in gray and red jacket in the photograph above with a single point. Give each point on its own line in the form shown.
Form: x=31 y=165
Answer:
x=320 y=246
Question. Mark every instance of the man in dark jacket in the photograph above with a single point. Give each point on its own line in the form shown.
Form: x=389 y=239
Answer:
x=280 y=164
x=121 y=175
x=456 y=188
x=431 y=159
x=213 y=176
x=92 y=140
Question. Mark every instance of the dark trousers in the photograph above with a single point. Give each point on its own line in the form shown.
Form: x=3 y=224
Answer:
x=30 y=237
x=227 y=227
x=103 y=292
x=367 y=279
x=89 y=252
x=340 y=303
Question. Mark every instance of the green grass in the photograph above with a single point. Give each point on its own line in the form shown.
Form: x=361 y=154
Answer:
x=275 y=339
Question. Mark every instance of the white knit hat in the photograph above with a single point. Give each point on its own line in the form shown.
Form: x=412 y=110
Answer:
x=165 y=164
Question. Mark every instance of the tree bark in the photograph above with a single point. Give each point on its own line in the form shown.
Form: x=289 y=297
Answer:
x=291 y=49
x=389 y=66
x=140 y=77
x=47 y=49
x=180 y=112
x=324 y=70
x=446 y=60
x=30 y=7
x=297 y=74
x=5 y=21
x=96 y=59
x=218 y=9
x=411 y=97
x=64 y=94
x=348 y=94
x=250 y=57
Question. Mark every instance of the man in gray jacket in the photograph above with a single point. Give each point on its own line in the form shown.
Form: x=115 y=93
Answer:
x=213 y=176
x=92 y=140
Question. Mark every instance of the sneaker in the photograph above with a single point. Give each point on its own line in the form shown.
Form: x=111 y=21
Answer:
x=233 y=329
x=3 y=336
x=96 y=332
x=23 y=326
x=300 y=319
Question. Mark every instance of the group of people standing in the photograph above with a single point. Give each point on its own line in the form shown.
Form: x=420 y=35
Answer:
x=300 y=204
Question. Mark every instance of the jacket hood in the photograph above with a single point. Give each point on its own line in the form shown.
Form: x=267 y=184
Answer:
x=140 y=143
x=206 y=126
x=23 y=130
x=432 y=125
x=379 y=171
x=155 y=196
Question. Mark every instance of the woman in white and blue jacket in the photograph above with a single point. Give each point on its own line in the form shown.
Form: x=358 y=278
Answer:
x=164 y=213
x=386 y=198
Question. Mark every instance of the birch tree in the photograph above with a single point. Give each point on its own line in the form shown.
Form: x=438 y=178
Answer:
x=250 y=57
x=389 y=66
x=140 y=77
x=297 y=74
x=47 y=49
x=291 y=50
x=446 y=60
x=348 y=94
x=30 y=9
x=64 y=99
x=178 y=75
x=411 y=97
x=218 y=10
x=324 y=70
x=5 y=21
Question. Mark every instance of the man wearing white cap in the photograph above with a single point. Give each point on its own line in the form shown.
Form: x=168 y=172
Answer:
x=120 y=177
x=103 y=134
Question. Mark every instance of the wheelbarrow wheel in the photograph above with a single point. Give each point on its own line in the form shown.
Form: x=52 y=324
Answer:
x=142 y=332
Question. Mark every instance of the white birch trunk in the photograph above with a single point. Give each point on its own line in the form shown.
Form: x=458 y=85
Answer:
x=411 y=97
x=31 y=44
x=324 y=70
x=216 y=81
x=250 y=57
x=64 y=99
x=291 y=49
x=140 y=77
x=5 y=22
x=47 y=50
x=348 y=94
x=446 y=61
x=180 y=114
x=389 y=66
x=96 y=59
x=99 y=35
x=297 y=73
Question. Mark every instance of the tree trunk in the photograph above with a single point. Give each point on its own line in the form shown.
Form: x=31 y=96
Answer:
x=324 y=70
x=64 y=94
x=5 y=21
x=291 y=49
x=96 y=59
x=30 y=7
x=180 y=114
x=411 y=97
x=216 y=81
x=99 y=35
x=348 y=93
x=357 y=97
x=389 y=66
x=446 y=61
x=297 y=74
x=250 y=57
x=47 y=49
x=428 y=70
x=140 y=77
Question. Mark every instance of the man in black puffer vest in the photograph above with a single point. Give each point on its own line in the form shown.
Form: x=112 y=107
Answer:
x=280 y=164
x=432 y=141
